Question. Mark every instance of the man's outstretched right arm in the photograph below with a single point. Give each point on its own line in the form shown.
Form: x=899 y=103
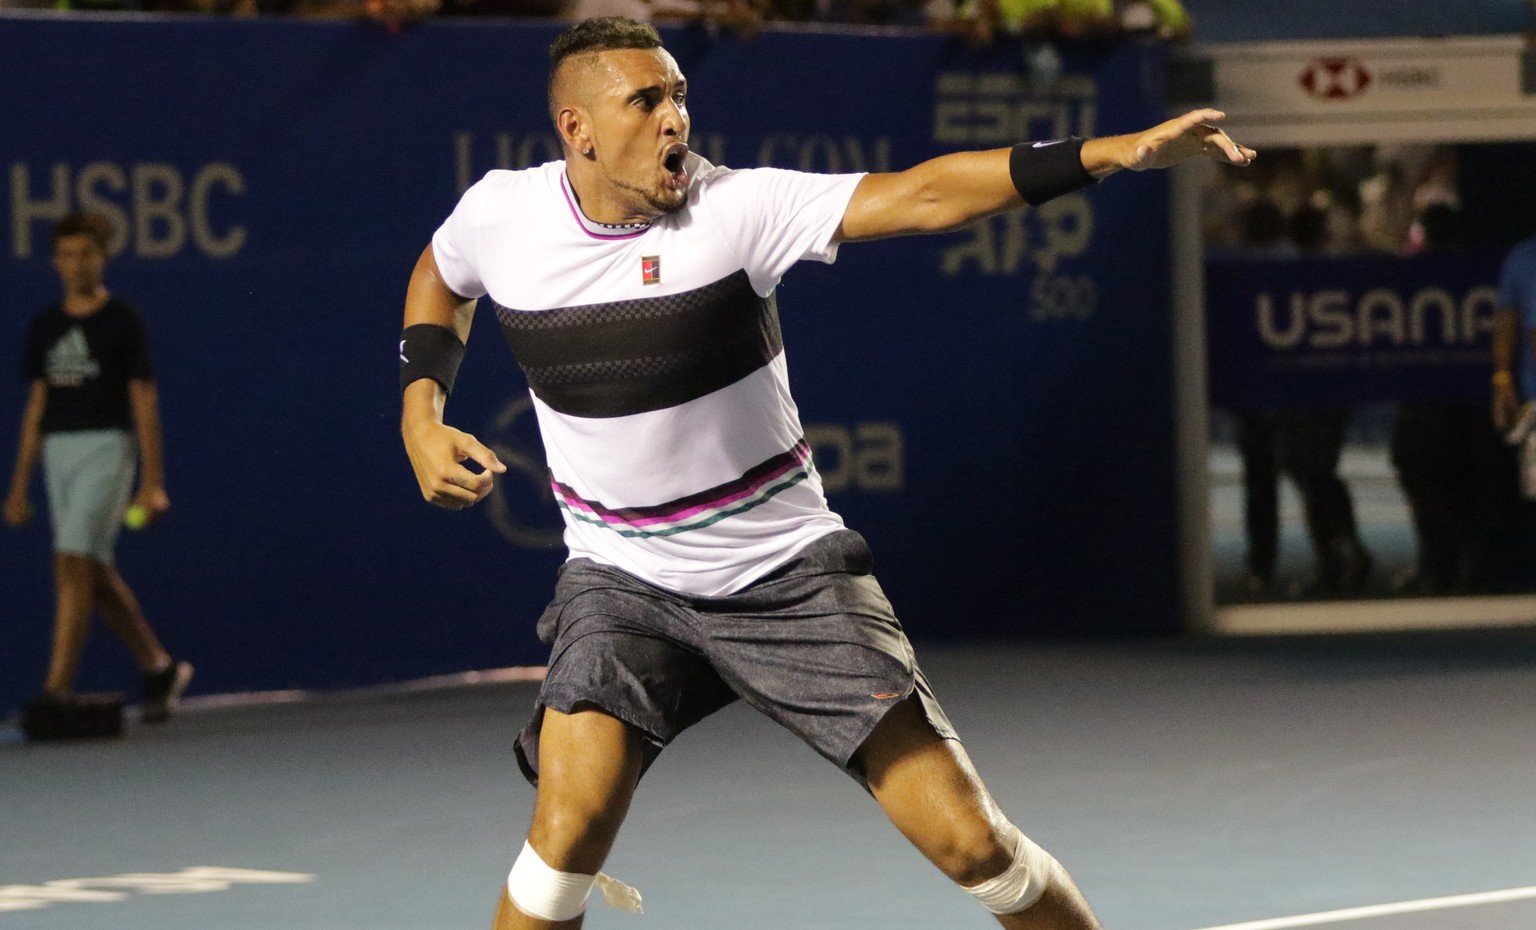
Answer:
x=951 y=191
x=434 y=317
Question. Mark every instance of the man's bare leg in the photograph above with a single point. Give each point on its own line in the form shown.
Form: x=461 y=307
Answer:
x=72 y=583
x=589 y=764
x=123 y=616
x=931 y=792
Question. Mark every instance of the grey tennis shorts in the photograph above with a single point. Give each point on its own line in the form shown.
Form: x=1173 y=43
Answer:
x=89 y=475
x=814 y=646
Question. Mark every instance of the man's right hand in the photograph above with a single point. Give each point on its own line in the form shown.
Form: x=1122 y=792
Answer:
x=1506 y=406
x=437 y=454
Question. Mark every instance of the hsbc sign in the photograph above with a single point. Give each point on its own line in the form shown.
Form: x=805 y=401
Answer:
x=1345 y=92
x=1335 y=78
x=1338 y=79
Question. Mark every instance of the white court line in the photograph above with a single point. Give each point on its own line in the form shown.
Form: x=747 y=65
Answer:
x=1383 y=910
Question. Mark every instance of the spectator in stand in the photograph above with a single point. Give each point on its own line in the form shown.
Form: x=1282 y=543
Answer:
x=1386 y=207
x=1165 y=18
x=542 y=9
x=880 y=12
x=390 y=11
x=984 y=20
x=743 y=16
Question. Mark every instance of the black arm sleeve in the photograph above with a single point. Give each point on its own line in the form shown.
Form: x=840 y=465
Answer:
x=430 y=351
x=1044 y=170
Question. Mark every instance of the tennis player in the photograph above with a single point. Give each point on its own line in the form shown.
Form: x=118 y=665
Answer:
x=635 y=283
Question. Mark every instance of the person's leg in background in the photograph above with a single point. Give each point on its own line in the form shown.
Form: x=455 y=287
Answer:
x=164 y=678
x=1312 y=446
x=72 y=583
x=90 y=480
x=1471 y=446
x=1417 y=456
x=1498 y=513
x=1261 y=500
x=121 y=611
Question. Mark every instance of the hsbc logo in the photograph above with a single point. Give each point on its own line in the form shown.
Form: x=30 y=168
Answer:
x=1335 y=78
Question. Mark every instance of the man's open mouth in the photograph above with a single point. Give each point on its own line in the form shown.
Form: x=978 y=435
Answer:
x=673 y=160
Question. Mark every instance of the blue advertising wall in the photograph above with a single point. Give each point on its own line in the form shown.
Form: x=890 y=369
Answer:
x=1319 y=332
x=992 y=408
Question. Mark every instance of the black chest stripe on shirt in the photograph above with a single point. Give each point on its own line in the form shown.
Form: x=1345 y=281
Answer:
x=631 y=356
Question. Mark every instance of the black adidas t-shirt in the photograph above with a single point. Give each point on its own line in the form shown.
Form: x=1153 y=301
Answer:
x=87 y=363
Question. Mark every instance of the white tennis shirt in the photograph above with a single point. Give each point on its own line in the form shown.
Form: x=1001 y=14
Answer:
x=655 y=362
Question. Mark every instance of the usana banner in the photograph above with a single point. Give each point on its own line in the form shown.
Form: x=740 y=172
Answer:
x=1342 y=332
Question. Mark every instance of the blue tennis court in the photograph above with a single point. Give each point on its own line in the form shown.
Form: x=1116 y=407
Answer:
x=1188 y=783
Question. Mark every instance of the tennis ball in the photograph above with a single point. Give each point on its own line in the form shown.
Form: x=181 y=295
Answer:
x=136 y=518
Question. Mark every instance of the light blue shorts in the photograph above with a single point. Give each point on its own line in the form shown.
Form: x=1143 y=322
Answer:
x=90 y=480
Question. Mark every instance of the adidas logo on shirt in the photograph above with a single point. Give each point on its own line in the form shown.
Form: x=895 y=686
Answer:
x=70 y=361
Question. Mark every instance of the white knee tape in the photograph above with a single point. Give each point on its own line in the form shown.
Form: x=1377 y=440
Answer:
x=540 y=891
x=1023 y=882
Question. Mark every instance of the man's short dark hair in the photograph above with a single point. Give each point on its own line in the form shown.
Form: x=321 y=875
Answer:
x=603 y=34
x=81 y=223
